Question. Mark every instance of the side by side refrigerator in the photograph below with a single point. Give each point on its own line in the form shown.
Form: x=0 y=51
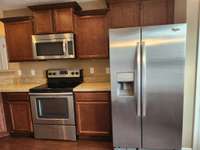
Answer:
x=147 y=81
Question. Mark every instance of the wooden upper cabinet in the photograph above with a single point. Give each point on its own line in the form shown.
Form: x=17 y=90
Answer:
x=53 y=21
x=157 y=12
x=18 y=39
x=124 y=14
x=92 y=37
x=43 y=21
x=64 y=20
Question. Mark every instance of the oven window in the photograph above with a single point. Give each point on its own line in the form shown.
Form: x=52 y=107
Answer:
x=50 y=49
x=52 y=108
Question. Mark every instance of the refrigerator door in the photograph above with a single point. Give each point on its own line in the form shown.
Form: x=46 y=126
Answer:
x=163 y=50
x=126 y=119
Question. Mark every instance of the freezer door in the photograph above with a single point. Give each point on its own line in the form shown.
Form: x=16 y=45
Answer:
x=124 y=55
x=163 y=59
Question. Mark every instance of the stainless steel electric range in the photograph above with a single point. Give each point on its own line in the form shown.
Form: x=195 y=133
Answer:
x=53 y=106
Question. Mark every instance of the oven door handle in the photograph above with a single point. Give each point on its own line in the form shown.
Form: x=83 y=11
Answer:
x=51 y=94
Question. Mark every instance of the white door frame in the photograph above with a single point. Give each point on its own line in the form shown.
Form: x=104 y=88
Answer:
x=196 y=130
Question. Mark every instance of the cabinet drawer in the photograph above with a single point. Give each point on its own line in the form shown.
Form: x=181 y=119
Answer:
x=16 y=96
x=92 y=96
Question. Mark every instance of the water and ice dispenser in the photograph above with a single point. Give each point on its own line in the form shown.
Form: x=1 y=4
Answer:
x=125 y=84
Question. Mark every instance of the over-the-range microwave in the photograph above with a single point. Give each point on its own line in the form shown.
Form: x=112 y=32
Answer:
x=53 y=46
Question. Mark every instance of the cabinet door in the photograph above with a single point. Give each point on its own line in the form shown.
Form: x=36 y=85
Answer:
x=43 y=21
x=64 y=21
x=92 y=37
x=20 y=116
x=126 y=14
x=157 y=12
x=18 y=39
x=94 y=118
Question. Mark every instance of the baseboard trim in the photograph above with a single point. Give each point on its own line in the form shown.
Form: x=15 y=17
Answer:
x=186 y=148
x=4 y=134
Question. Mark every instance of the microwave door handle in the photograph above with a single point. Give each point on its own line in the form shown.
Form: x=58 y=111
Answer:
x=65 y=45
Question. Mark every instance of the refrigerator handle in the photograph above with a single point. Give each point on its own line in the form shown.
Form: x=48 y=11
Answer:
x=143 y=80
x=138 y=79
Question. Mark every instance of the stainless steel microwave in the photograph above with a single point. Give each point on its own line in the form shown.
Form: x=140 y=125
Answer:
x=53 y=46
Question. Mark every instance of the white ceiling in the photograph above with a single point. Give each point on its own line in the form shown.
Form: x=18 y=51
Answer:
x=17 y=4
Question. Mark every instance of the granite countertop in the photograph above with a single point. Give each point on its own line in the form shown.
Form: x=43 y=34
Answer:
x=96 y=86
x=84 y=87
x=19 y=87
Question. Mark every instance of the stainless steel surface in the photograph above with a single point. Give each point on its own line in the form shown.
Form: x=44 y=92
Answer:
x=152 y=117
x=138 y=79
x=126 y=123
x=63 y=73
x=60 y=132
x=51 y=94
x=64 y=38
x=144 y=68
x=163 y=82
x=59 y=121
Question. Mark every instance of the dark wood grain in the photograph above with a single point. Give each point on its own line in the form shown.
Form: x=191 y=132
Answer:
x=124 y=14
x=14 y=19
x=33 y=144
x=92 y=96
x=64 y=20
x=157 y=12
x=73 y=5
x=19 y=41
x=92 y=37
x=17 y=113
x=43 y=22
x=93 y=114
x=20 y=116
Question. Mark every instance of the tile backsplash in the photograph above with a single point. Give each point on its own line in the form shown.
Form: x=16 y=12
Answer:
x=33 y=72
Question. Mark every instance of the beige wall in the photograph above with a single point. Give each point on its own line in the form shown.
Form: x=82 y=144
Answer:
x=17 y=12
x=99 y=66
x=180 y=11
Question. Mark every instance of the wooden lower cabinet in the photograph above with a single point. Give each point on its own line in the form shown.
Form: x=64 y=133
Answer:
x=20 y=116
x=93 y=113
x=17 y=113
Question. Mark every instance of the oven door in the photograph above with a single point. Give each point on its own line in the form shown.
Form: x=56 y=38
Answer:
x=52 y=108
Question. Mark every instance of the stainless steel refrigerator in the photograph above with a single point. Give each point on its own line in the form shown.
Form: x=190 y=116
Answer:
x=147 y=80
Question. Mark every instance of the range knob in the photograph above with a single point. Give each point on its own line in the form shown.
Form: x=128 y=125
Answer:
x=72 y=73
x=76 y=73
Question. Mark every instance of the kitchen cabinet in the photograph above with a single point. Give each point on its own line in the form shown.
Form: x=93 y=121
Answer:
x=124 y=14
x=18 y=40
x=93 y=113
x=157 y=12
x=92 y=37
x=64 y=20
x=43 y=21
x=131 y=13
x=17 y=113
x=54 y=18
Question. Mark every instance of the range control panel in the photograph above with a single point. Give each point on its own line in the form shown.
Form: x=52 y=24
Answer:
x=64 y=73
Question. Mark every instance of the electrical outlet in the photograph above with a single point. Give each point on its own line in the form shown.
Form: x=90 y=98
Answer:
x=107 y=70
x=91 y=70
x=33 y=73
x=19 y=72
